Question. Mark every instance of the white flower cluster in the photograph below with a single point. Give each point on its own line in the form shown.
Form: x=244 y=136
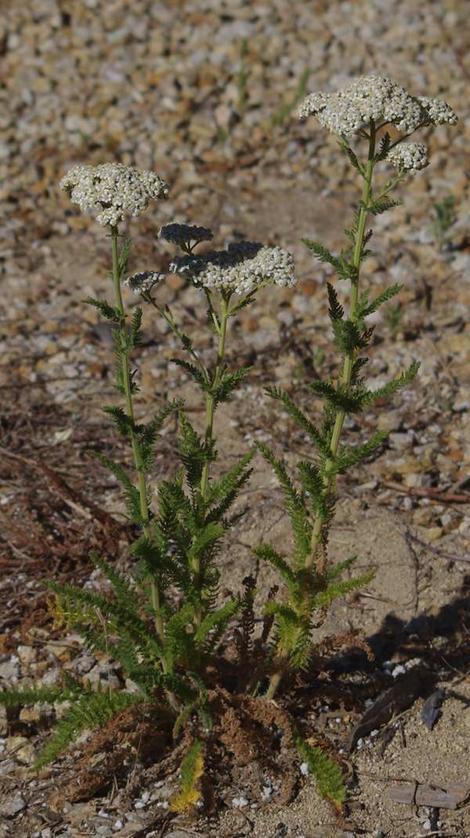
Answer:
x=409 y=157
x=241 y=269
x=143 y=282
x=438 y=111
x=184 y=234
x=374 y=98
x=112 y=191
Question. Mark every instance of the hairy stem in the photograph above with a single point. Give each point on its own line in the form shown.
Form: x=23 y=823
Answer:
x=127 y=387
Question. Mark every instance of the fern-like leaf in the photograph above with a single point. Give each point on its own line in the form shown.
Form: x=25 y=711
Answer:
x=131 y=492
x=135 y=335
x=92 y=710
x=327 y=773
x=349 y=399
x=229 y=381
x=105 y=309
x=322 y=253
x=335 y=310
x=295 y=507
x=341 y=588
x=366 y=307
x=193 y=371
x=122 y=421
x=302 y=420
x=151 y=431
x=24 y=696
x=191 y=771
x=377 y=207
x=351 y=455
x=215 y=623
x=396 y=384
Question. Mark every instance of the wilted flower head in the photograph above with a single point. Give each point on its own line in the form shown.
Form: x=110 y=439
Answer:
x=112 y=191
x=241 y=268
x=184 y=234
x=374 y=98
x=143 y=282
x=409 y=157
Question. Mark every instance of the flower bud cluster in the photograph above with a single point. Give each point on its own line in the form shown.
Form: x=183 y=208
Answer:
x=184 y=234
x=374 y=98
x=143 y=282
x=409 y=157
x=241 y=268
x=112 y=191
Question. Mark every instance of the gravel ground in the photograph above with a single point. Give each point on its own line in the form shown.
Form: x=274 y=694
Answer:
x=204 y=92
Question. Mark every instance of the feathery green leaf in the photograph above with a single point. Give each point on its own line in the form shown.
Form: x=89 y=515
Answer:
x=327 y=773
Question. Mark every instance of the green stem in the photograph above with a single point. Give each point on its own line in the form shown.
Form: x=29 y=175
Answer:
x=221 y=324
x=136 y=449
x=317 y=557
x=210 y=400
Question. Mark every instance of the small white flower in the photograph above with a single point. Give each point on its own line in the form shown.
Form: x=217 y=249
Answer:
x=438 y=111
x=184 y=234
x=374 y=98
x=143 y=282
x=409 y=157
x=112 y=191
x=241 y=268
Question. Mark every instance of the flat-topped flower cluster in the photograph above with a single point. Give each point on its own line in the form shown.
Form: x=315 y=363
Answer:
x=112 y=191
x=240 y=269
x=375 y=98
x=144 y=281
x=409 y=157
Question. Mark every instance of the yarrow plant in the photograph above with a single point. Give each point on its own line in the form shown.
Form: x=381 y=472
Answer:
x=166 y=621
x=362 y=111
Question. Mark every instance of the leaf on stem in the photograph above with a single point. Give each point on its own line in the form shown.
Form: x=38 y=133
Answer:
x=377 y=207
x=194 y=452
x=228 y=382
x=131 y=492
x=351 y=455
x=123 y=422
x=135 y=336
x=395 y=384
x=318 y=439
x=214 y=625
x=344 y=145
x=224 y=491
x=123 y=257
x=193 y=371
x=150 y=433
x=384 y=147
x=106 y=310
x=335 y=310
x=349 y=399
x=365 y=307
x=294 y=502
x=341 y=588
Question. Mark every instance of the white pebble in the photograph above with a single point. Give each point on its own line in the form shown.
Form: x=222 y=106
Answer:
x=239 y=802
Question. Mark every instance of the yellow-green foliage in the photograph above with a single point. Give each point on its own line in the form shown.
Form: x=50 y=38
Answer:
x=192 y=769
